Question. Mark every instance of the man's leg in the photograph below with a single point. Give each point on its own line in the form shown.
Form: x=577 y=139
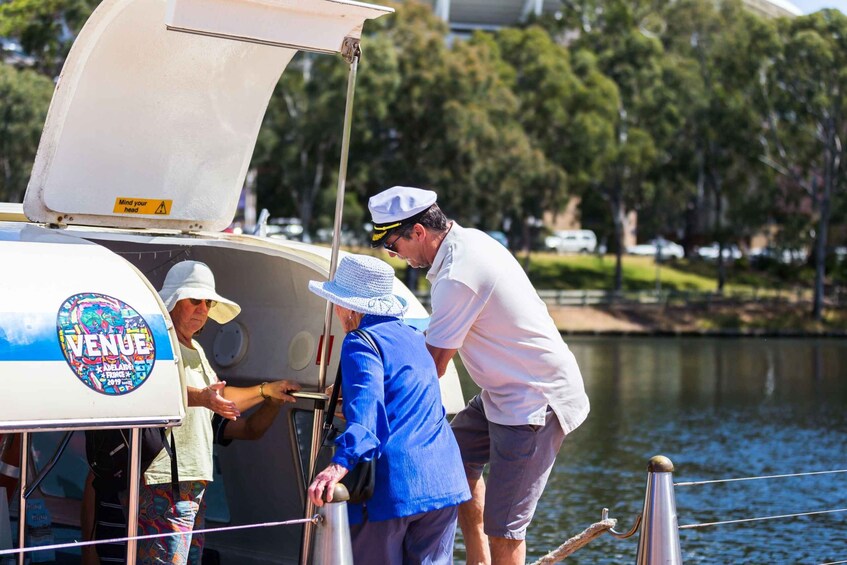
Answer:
x=471 y=430
x=507 y=551
x=470 y=520
x=521 y=460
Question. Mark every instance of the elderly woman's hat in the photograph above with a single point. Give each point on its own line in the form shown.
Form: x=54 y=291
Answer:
x=193 y=279
x=362 y=284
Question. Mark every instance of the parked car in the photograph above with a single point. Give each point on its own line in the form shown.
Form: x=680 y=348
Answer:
x=784 y=256
x=660 y=247
x=572 y=241
x=499 y=237
x=710 y=252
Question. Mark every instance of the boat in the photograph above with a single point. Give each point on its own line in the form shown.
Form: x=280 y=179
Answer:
x=141 y=163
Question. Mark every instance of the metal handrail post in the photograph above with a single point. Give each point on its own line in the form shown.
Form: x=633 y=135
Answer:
x=134 y=487
x=351 y=52
x=659 y=540
x=22 y=496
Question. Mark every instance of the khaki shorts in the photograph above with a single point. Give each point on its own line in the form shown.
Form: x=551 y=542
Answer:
x=520 y=459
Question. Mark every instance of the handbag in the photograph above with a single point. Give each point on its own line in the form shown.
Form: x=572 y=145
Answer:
x=361 y=479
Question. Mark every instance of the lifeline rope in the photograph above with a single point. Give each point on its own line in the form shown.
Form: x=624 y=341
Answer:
x=314 y=519
x=577 y=542
x=692 y=483
x=690 y=526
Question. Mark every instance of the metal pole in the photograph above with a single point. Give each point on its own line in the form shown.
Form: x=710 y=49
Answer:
x=22 y=495
x=132 y=507
x=659 y=540
x=351 y=52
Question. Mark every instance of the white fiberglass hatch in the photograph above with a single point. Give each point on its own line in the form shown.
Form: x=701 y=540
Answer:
x=152 y=127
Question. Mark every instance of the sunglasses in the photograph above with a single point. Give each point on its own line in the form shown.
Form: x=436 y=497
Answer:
x=391 y=246
x=197 y=301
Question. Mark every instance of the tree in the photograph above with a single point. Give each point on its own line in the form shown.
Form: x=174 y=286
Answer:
x=24 y=99
x=45 y=28
x=805 y=92
x=730 y=46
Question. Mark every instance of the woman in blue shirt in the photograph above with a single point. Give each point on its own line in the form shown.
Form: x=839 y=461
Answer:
x=394 y=414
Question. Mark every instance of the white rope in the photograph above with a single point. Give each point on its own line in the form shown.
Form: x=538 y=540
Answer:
x=689 y=526
x=314 y=519
x=577 y=542
x=692 y=483
x=834 y=562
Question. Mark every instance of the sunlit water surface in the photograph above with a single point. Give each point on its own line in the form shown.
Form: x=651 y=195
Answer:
x=719 y=409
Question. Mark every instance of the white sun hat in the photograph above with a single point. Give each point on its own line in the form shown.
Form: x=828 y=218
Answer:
x=193 y=279
x=362 y=284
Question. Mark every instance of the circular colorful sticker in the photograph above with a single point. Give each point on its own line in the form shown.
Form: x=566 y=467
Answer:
x=106 y=342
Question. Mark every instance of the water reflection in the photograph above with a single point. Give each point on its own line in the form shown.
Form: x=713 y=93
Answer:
x=719 y=408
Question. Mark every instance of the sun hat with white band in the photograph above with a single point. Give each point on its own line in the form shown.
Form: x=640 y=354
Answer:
x=193 y=279
x=363 y=284
x=396 y=207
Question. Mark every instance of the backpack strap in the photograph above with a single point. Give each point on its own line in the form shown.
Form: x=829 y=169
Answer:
x=336 y=389
x=170 y=449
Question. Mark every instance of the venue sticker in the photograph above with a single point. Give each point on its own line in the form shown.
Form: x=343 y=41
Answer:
x=106 y=342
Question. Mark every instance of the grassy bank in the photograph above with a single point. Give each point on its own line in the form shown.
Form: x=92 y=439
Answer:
x=549 y=271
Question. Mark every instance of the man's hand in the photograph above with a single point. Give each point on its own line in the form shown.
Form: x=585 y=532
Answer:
x=325 y=482
x=278 y=390
x=210 y=397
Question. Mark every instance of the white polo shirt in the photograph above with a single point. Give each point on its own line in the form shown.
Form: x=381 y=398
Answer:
x=484 y=305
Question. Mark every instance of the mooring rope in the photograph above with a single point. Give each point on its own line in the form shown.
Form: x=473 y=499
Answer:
x=577 y=542
x=690 y=526
x=693 y=483
x=314 y=519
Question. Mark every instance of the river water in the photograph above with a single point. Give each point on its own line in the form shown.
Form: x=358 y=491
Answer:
x=719 y=409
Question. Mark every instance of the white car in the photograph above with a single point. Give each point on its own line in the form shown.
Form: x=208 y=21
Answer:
x=710 y=252
x=572 y=241
x=660 y=247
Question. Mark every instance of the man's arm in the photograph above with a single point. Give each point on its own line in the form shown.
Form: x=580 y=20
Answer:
x=441 y=357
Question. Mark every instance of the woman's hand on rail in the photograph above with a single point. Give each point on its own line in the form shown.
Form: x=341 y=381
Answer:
x=325 y=482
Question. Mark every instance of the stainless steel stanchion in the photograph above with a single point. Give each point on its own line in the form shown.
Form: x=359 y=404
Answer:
x=659 y=541
x=332 y=535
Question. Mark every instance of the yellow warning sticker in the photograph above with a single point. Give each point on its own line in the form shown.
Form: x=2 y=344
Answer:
x=151 y=206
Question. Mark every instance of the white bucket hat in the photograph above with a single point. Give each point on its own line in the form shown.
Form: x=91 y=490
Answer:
x=362 y=284
x=193 y=279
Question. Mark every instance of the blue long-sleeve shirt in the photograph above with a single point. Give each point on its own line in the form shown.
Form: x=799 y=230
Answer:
x=393 y=408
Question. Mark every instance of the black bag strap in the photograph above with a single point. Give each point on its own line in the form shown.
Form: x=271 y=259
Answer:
x=336 y=389
x=170 y=449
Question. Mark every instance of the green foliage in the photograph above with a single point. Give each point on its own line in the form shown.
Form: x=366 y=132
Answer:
x=45 y=28
x=24 y=98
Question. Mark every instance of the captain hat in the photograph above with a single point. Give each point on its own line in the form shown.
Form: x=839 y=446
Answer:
x=396 y=207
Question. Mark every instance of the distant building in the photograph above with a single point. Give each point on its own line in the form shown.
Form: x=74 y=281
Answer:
x=468 y=15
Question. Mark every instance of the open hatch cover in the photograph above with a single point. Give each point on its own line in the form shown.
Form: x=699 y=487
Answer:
x=151 y=128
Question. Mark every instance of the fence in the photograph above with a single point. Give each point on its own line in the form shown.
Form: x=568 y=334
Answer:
x=835 y=298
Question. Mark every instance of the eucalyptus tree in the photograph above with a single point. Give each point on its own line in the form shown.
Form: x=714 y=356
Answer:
x=615 y=39
x=45 y=28
x=24 y=98
x=729 y=46
x=805 y=92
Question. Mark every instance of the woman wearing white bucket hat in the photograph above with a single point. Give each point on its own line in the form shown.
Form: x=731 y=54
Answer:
x=190 y=296
x=392 y=404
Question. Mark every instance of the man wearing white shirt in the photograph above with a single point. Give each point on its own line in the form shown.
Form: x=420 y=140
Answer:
x=484 y=307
